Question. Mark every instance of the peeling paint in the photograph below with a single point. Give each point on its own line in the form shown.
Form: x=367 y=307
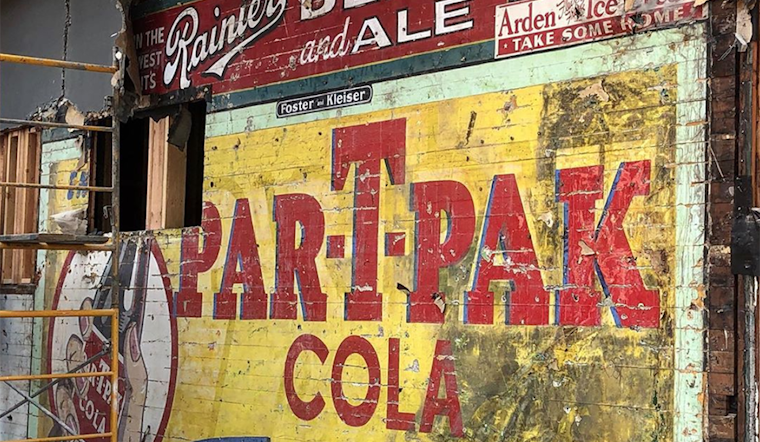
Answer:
x=266 y=338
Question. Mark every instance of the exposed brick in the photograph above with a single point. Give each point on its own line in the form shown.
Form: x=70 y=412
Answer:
x=724 y=106
x=723 y=147
x=724 y=20
x=721 y=354
x=722 y=362
x=718 y=405
x=722 y=318
x=724 y=55
x=721 y=427
x=721 y=383
x=722 y=192
x=721 y=214
x=723 y=124
x=721 y=340
x=722 y=170
x=722 y=88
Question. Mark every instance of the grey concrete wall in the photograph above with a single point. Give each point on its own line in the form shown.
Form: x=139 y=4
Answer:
x=38 y=28
x=15 y=359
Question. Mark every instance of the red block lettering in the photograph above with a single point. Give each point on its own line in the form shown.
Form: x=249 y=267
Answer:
x=298 y=262
x=579 y=189
x=242 y=253
x=302 y=409
x=367 y=145
x=188 y=302
x=604 y=251
x=356 y=415
x=505 y=232
x=430 y=201
x=443 y=366
x=396 y=420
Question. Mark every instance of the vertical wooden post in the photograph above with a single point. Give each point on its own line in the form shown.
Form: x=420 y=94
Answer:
x=10 y=205
x=31 y=201
x=4 y=146
x=167 y=166
x=21 y=209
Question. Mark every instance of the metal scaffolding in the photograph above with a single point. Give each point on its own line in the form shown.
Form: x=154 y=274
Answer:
x=42 y=241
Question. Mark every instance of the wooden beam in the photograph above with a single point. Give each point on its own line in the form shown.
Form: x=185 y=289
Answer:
x=4 y=146
x=9 y=215
x=18 y=289
x=167 y=168
x=158 y=132
x=174 y=186
x=31 y=202
x=22 y=210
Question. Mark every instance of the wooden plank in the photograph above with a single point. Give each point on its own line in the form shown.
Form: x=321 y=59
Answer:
x=10 y=206
x=4 y=143
x=722 y=362
x=721 y=340
x=53 y=238
x=718 y=405
x=18 y=289
x=721 y=384
x=22 y=209
x=722 y=427
x=174 y=187
x=158 y=133
x=167 y=168
x=100 y=175
x=31 y=203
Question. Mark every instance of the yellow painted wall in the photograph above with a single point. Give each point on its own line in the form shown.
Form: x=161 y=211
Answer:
x=530 y=381
x=514 y=382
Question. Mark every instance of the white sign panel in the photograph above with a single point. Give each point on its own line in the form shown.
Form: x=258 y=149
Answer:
x=536 y=25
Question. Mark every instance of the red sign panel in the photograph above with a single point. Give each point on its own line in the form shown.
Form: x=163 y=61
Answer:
x=238 y=45
x=535 y=25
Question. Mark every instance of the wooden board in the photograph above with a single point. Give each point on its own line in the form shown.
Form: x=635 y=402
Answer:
x=174 y=186
x=21 y=211
x=31 y=202
x=19 y=206
x=9 y=214
x=167 y=166
x=156 y=163
x=53 y=238
x=4 y=145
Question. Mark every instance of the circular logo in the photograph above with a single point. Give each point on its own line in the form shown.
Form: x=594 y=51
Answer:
x=147 y=344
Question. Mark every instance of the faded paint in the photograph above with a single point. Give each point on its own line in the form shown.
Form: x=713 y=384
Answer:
x=627 y=121
x=15 y=358
x=301 y=47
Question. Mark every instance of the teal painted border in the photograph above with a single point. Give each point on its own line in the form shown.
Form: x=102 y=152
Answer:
x=403 y=67
x=691 y=206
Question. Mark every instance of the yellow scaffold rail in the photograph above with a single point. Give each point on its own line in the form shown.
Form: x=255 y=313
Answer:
x=49 y=62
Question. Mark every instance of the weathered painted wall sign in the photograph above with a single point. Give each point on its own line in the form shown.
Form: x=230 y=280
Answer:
x=505 y=251
x=536 y=25
x=236 y=46
x=326 y=101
